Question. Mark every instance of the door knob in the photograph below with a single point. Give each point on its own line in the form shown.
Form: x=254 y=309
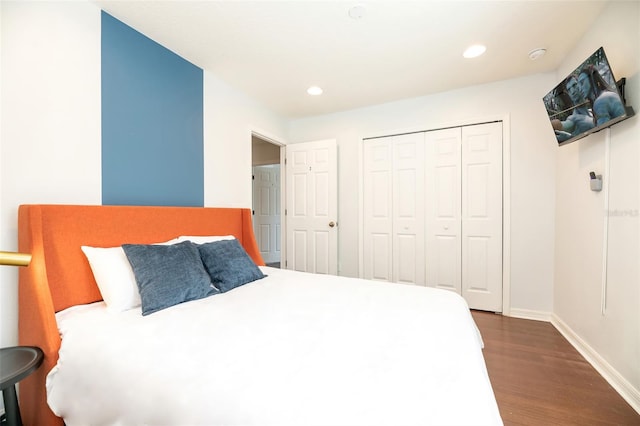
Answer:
x=332 y=224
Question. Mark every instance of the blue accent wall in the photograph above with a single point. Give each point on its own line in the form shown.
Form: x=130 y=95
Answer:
x=152 y=122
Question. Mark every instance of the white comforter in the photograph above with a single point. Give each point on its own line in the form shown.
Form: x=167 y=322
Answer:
x=290 y=349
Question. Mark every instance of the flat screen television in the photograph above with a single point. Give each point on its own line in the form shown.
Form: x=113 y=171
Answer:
x=586 y=101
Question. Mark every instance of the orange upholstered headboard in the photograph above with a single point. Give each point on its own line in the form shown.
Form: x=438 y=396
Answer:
x=59 y=275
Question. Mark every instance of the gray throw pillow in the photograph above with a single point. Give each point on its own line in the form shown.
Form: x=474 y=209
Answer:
x=168 y=274
x=228 y=264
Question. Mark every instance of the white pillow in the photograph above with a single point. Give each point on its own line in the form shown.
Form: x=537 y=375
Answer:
x=114 y=276
x=203 y=239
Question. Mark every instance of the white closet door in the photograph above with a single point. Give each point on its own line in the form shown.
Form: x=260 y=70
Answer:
x=482 y=216
x=378 y=209
x=433 y=211
x=408 y=209
x=394 y=209
x=442 y=209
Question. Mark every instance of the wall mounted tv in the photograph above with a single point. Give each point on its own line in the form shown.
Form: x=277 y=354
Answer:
x=587 y=100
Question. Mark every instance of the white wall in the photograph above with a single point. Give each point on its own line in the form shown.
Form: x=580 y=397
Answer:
x=50 y=124
x=533 y=151
x=229 y=119
x=580 y=214
x=50 y=133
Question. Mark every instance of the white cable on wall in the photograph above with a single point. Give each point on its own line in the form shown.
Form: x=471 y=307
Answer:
x=605 y=237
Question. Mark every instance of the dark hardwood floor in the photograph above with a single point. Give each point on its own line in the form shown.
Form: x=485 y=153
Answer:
x=540 y=379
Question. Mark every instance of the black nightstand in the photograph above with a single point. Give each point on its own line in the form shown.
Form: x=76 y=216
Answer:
x=16 y=363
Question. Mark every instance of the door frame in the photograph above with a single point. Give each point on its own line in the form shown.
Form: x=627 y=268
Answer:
x=506 y=191
x=274 y=140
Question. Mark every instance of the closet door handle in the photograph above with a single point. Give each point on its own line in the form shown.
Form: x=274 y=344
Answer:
x=332 y=224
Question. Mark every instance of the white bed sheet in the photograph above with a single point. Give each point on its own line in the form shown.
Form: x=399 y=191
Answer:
x=290 y=349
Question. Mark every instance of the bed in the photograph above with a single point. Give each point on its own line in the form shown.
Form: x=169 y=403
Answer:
x=287 y=348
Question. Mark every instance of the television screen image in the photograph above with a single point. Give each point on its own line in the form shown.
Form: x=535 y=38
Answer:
x=586 y=101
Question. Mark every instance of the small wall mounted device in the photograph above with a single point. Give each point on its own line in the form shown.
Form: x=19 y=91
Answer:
x=595 y=181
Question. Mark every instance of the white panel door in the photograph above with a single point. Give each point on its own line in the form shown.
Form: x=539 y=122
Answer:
x=266 y=211
x=408 y=209
x=394 y=209
x=482 y=216
x=442 y=209
x=432 y=212
x=378 y=209
x=312 y=207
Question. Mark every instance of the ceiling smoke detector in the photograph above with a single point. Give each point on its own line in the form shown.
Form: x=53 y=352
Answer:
x=357 y=12
x=537 y=53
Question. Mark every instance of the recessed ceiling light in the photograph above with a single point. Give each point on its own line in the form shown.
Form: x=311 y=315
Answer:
x=537 y=53
x=314 y=91
x=474 y=51
x=357 y=12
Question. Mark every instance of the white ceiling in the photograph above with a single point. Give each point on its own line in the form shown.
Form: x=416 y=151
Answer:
x=274 y=50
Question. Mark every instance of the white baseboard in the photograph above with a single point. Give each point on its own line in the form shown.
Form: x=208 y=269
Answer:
x=615 y=379
x=530 y=315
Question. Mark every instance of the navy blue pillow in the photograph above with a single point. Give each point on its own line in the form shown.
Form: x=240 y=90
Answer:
x=168 y=274
x=228 y=264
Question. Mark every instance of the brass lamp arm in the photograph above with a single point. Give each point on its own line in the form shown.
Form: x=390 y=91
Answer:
x=14 y=259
